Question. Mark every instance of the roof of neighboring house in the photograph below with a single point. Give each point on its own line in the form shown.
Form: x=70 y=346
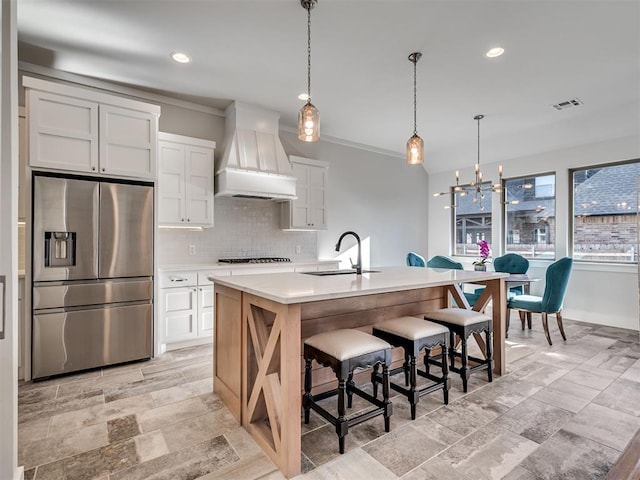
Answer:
x=608 y=191
x=611 y=191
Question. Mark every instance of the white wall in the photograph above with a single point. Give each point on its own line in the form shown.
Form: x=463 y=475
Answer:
x=378 y=196
x=603 y=294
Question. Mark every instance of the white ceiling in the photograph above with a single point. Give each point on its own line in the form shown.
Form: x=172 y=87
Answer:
x=362 y=81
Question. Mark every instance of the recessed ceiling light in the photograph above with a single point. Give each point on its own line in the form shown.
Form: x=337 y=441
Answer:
x=303 y=96
x=180 y=57
x=495 y=52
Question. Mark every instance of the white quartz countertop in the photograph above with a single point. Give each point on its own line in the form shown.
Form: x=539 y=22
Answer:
x=299 y=287
x=240 y=266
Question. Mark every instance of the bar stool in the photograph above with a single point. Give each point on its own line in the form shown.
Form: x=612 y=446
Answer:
x=344 y=351
x=463 y=322
x=413 y=335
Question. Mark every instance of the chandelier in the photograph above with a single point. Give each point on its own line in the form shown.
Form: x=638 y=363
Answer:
x=477 y=187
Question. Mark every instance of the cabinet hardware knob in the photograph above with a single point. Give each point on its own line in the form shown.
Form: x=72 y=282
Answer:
x=93 y=168
x=188 y=219
x=104 y=169
x=182 y=219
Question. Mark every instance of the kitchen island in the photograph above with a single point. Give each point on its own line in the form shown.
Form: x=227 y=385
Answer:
x=262 y=321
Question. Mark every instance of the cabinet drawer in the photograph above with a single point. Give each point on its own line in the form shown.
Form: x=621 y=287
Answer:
x=178 y=279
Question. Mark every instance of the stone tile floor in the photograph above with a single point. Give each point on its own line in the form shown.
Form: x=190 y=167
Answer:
x=565 y=411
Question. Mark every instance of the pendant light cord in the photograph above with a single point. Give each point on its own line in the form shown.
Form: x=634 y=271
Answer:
x=479 y=118
x=415 y=131
x=309 y=52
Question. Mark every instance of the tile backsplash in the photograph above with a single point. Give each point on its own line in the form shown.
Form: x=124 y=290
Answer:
x=242 y=228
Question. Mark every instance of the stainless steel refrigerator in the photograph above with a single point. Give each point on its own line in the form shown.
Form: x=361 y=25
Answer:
x=92 y=270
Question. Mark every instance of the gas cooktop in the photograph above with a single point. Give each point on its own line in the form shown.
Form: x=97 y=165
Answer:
x=255 y=260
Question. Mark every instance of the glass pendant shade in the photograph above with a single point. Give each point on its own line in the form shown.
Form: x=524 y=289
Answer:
x=309 y=123
x=415 y=150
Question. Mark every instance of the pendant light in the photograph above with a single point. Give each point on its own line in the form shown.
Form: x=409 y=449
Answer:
x=308 y=117
x=415 y=145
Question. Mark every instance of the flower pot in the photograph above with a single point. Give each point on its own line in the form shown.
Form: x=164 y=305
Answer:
x=480 y=268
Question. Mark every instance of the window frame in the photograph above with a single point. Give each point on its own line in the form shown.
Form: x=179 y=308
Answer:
x=571 y=214
x=505 y=206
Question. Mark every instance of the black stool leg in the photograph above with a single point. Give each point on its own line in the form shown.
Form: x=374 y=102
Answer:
x=452 y=350
x=406 y=367
x=489 y=355
x=307 y=398
x=342 y=424
x=350 y=384
x=414 y=397
x=427 y=352
x=464 y=369
x=385 y=397
x=445 y=376
x=374 y=381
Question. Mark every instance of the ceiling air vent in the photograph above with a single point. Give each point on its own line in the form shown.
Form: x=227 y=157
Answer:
x=574 y=102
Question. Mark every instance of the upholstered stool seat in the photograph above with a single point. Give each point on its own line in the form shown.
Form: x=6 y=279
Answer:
x=414 y=335
x=344 y=351
x=463 y=322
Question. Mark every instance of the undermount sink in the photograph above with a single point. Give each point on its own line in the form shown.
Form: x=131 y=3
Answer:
x=326 y=273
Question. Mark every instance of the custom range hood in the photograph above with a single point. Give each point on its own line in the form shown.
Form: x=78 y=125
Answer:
x=253 y=163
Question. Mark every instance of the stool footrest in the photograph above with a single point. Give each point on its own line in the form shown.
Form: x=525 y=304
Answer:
x=381 y=406
x=420 y=391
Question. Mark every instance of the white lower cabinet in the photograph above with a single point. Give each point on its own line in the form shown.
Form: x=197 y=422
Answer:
x=187 y=302
x=186 y=308
x=20 y=329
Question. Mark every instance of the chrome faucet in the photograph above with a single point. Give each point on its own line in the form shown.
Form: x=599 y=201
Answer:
x=358 y=265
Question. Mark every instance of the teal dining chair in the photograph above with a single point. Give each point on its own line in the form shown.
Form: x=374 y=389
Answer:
x=415 y=260
x=441 y=261
x=512 y=263
x=556 y=281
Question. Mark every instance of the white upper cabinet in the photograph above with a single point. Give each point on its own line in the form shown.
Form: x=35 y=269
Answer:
x=128 y=141
x=78 y=130
x=309 y=210
x=22 y=162
x=185 y=181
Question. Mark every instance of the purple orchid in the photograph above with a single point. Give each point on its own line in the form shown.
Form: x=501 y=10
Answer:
x=485 y=252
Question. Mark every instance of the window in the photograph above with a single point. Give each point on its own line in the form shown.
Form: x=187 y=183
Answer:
x=530 y=216
x=605 y=213
x=472 y=220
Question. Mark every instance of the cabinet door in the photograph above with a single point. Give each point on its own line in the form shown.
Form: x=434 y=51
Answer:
x=299 y=206
x=316 y=205
x=22 y=162
x=179 y=314
x=21 y=336
x=308 y=211
x=171 y=183
x=205 y=311
x=63 y=132
x=199 y=185
x=128 y=142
